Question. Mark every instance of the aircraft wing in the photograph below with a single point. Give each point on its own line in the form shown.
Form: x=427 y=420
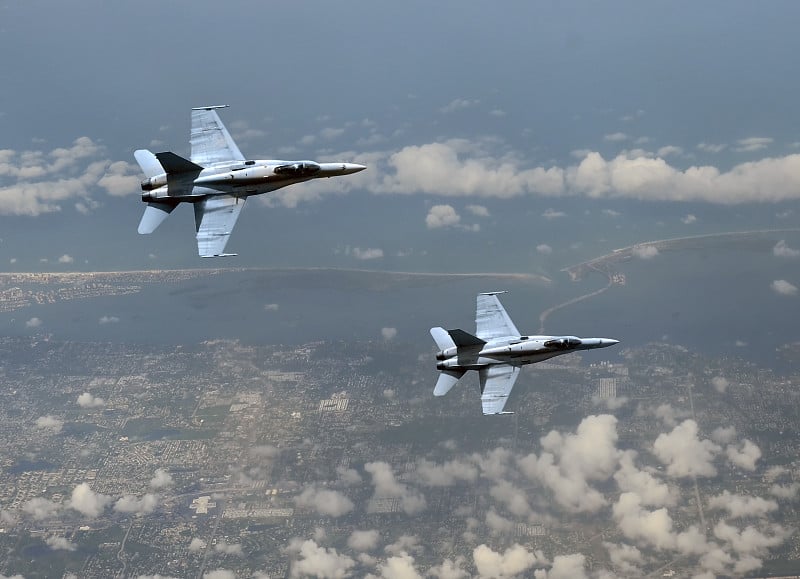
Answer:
x=491 y=319
x=214 y=218
x=211 y=142
x=496 y=384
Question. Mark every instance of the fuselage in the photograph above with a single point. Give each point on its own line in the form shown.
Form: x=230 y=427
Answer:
x=242 y=178
x=516 y=350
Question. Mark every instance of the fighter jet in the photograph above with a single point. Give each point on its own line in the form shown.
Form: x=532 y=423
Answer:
x=217 y=180
x=497 y=351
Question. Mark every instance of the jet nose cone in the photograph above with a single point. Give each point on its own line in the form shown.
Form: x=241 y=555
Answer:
x=606 y=342
x=350 y=168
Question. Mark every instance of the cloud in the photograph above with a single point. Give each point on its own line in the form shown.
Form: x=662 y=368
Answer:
x=330 y=133
x=348 y=476
x=108 y=320
x=459 y=168
x=669 y=150
x=645 y=251
x=650 y=490
x=639 y=524
x=566 y=567
x=788 y=491
x=750 y=540
x=684 y=454
x=37 y=182
x=458 y=105
x=161 y=479
x=616 y=137
x=544 y=249
x=403 y=544
x=140 y=506
x=86 y=400
x=450 y=569
x=196 y=545
x=478 y=210
x=720 y=384
x=363 y=540
x=386 y=485
x=399 y=566
x=498 y=524
x=446 y=474
x=751 y=144
x=50 y=422
x=60 y=544
x=783 y=287
x=689 y=219
x=742 y=505
x=744 y=456
x=781 y=249
x=442 y=216
x=367 y=253
x=625 y=558
x=41 y=508
x=228 y=548
x=509 y=563
x=120 y=179
x=219 y=574
x=569 y=462
x=87 y=502
x=311 y=560
x=553 y=214
x=723 y=434
x=711 y=148
x=324 y=502
x=389 y=333
x=33 y=323
x=66 y=258
x=271 y=307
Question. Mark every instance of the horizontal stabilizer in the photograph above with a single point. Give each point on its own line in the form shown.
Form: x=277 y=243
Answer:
x=148 y=162
x=173 y=163
x=442 y=338
x=154 y=215
x=447 y=379
x=463 y=339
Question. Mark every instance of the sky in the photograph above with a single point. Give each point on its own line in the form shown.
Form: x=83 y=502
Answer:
x=579 y=126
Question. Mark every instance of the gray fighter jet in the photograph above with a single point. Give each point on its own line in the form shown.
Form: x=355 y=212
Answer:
x=497 y=351
x=217 y=180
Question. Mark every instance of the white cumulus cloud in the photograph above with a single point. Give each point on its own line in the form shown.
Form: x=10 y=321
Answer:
x=442 y=216
x=324 y=501
x=86 y=400
x=782 y=249
x=50 y=422
x=87 y=502
x=645 y=251
x=684 y=453
x=161 y=479
x=783 y=287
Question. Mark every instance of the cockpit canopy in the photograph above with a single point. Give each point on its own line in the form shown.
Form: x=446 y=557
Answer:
x=299 y=169
x=566 y=343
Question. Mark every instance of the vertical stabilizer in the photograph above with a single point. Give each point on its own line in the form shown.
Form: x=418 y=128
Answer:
x=148 y=162
x=442 y=338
